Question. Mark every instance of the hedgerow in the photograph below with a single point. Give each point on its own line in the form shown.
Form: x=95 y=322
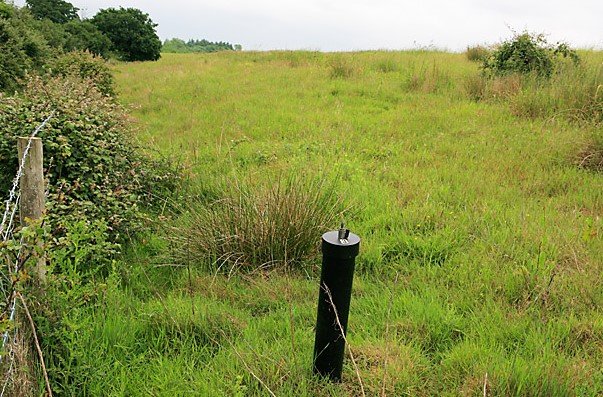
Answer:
x=95 y=171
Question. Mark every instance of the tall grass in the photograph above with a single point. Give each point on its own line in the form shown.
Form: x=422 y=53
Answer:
x=573 y=92
x=427 y=79
x=590 y=155
x=480 y=248
x=477 y=53
x=341 y=68
x=265 y=226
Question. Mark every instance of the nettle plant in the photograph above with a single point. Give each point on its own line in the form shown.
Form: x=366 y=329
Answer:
x=528 y=53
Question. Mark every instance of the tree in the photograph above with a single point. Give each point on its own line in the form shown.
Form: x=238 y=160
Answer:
x=58 y=11
x=22 y=48
x=181 y=46
x=83 y=35
x=132 y=33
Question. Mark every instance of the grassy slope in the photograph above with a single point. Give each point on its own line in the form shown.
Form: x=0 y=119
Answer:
x=481 y=242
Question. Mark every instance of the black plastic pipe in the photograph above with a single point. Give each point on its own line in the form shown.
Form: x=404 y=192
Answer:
x=339 y=251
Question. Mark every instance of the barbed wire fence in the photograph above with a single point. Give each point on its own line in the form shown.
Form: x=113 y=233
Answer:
x=9 y=273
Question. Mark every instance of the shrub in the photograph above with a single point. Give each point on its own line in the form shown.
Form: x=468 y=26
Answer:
x=477 y=53
x=85 y=65
x=527 y=53
x=84 y=36
x=27 y=44
x=94 y=169
x=23 y=49
x=73 y=35
x=259 y=227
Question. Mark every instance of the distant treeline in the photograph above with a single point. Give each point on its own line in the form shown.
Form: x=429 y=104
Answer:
x=181 y=46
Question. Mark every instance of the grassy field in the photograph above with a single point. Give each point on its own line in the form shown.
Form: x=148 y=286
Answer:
x=481 y=258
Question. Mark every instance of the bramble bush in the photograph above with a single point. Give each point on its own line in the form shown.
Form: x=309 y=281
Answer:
x=87 y=66
x=540 y=80
x=95 y=171
x=527 y=53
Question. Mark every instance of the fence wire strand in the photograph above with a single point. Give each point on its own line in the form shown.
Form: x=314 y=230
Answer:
x=13 y=191
x=7 y=226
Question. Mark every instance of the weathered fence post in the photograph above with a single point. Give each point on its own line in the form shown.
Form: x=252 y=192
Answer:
x=339 y=251
x=32 y=189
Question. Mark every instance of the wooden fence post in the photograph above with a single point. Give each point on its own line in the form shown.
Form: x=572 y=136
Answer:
x=32 y=189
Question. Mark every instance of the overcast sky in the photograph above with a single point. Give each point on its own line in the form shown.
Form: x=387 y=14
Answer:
x=341 y=25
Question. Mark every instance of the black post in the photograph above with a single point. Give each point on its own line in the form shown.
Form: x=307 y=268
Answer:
x=339 y=251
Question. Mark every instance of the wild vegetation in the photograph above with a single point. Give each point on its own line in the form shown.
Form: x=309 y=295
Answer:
x=477 y=53
x=480 y=258
x=32 y=37
x=528 y=53
x=477 y=197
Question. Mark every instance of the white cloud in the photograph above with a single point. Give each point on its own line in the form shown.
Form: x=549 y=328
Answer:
x=367 y=24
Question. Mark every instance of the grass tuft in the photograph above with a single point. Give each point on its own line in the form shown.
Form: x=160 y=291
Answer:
x=339 y=68
x=427 y=80
x=590 y=157
x=257 y=227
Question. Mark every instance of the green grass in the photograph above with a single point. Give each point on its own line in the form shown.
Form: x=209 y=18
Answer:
x=482 y=241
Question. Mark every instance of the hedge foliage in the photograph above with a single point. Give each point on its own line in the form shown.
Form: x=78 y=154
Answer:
x=95 y=171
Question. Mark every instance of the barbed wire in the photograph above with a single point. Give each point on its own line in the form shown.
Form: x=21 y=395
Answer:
x=13 y=191
x=6 y=232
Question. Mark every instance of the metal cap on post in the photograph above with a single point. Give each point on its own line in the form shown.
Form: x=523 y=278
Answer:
x=339 y=251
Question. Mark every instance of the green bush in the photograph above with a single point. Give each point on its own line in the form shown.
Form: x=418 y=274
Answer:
x=260 y=227
x=73 y=35
x=85 y=65
x=95 y=171
x=27 y=44
x=527 y=53
x=23 y=49
x=84 y=36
